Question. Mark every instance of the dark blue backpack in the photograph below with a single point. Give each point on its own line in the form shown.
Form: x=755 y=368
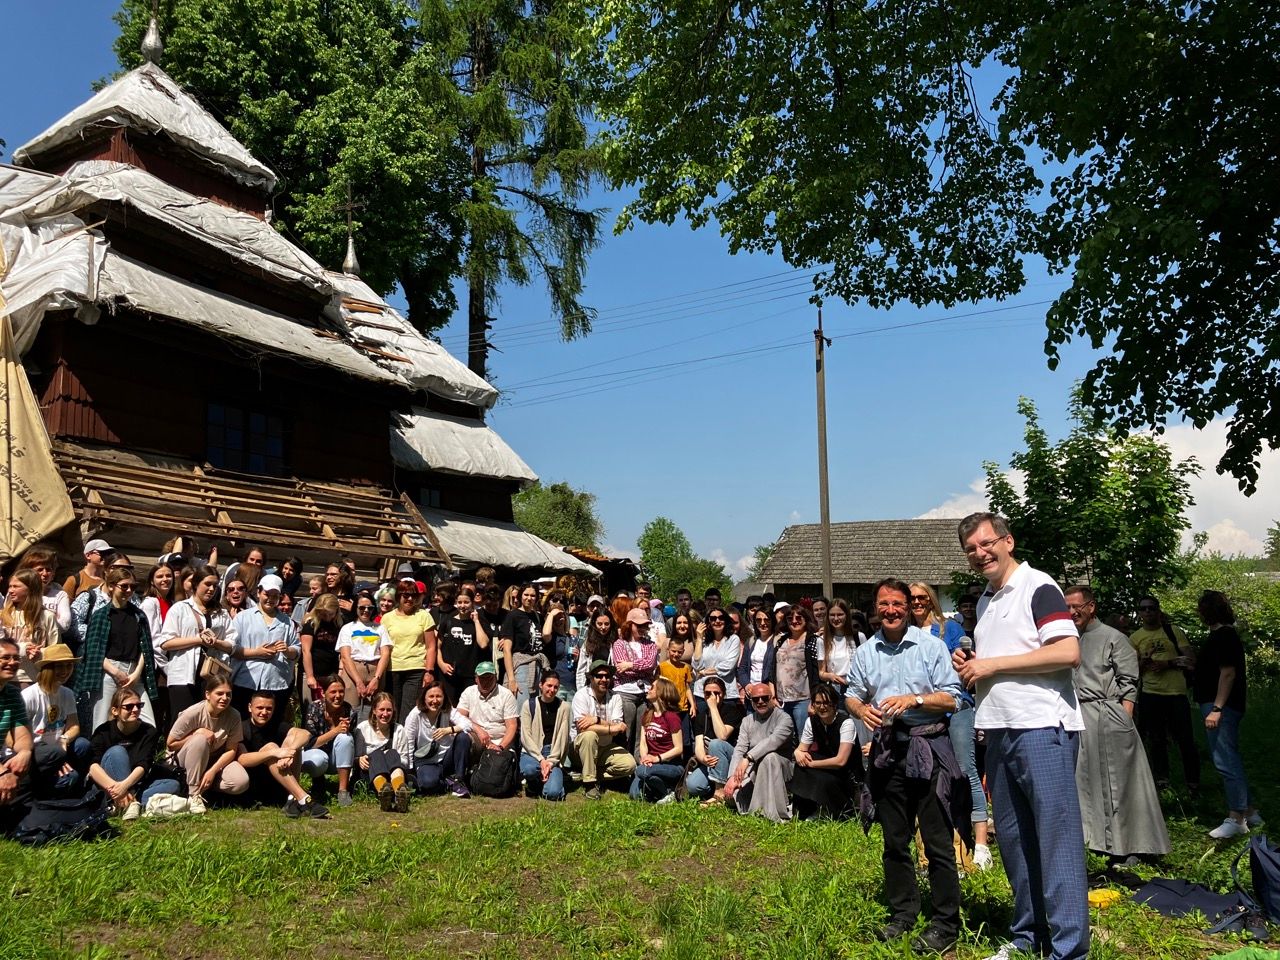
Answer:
x=1264 y=865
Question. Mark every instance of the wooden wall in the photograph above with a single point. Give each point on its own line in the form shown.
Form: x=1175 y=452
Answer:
x=145 y=385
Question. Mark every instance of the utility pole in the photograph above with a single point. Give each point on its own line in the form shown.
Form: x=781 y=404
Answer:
x=820 y=343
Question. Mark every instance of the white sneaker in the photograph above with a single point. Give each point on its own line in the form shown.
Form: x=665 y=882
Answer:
x=1228 y=830
x=132 y=812
x=1254 y=820
x=195 y=804
x=667 y=798
x=1006 y=952
x=982 y=858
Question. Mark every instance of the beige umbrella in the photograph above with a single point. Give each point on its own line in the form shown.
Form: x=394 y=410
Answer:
x=33 y=499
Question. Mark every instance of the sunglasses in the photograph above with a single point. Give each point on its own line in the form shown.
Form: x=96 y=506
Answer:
x=131 y=707
x=761 y=699
x=716 y=619
x=364 y=608
x=600 y=676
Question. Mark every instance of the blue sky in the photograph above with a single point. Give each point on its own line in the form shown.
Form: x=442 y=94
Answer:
x=694 y=398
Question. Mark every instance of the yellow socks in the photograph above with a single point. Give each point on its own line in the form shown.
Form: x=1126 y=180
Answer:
x=397 y=779
x=379 y=782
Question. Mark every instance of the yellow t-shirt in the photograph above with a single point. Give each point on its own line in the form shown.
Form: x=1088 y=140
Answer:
x=409 y=651
x=1155 y=644
x=681 y=676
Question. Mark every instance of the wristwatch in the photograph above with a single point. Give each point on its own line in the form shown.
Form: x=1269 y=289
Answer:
x=1215 y=709
x=919 y=700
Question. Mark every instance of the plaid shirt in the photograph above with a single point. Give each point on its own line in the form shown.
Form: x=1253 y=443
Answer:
x=89 y=673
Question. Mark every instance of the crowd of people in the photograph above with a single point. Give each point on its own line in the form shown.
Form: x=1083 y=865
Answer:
x=257 y=684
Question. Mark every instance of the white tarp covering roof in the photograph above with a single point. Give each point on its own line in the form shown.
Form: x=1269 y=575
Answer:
x=431 y=367
x=148 y=99
x=476 y=541
x=240 y=235
x=52 y=264
x=145 y=288
x=424 y=440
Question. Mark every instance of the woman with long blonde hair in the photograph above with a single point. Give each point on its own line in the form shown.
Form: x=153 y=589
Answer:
x=27 y=622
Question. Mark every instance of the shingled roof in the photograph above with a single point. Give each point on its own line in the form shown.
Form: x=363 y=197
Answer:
x=866 y=551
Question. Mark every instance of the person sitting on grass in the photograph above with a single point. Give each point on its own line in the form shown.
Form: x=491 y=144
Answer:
x=123 y=751
x=271 y=751
x=438 y=743
x=15 y=742
x=661 y=768
x=491 y=710
x=597 y=722
x=544 y=739
x=206 y=737
x=61 y=756
x=761 y=765
x=715 y=733
x=828 y=760
x=332 y=741
x=381 y=746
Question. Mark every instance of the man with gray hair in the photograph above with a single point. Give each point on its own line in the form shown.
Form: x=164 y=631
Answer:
x=1025 y=648
x=761 y=765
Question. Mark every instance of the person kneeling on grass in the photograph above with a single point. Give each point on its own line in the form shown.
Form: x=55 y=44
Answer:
x=271 y=752
x=491 y=711
x=761 y=763
x=438 y=741
x=206 y=737
x=544 y=738
x=597 y=721
x=332 y=743
x=123 y=751
x=381 y=745
x=660 y=770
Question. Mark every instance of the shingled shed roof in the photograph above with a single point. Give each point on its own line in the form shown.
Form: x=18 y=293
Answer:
x=868 y=550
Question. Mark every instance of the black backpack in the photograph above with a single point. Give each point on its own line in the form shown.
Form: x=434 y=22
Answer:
x=73 y=818
x=1264 y=865
x=495 y=775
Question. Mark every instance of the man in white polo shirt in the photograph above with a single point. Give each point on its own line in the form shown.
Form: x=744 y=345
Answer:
x=1025 y=647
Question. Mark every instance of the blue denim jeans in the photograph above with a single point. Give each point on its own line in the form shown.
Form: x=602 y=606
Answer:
x=531 y=769
x=799 y=711
x=1224 y=747
x=341 y=751
x=703 y=780
x=116 y=762
x=526 y=680
x=655 y=781
x=961 y=733
x=452 y=766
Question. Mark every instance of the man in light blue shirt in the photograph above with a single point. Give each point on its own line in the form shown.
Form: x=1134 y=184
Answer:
x=901 y=684
x=266 y=649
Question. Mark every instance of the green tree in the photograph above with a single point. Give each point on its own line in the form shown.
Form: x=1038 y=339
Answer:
x=330 y=95
x=521 y=112
x=559 y=513
x=668 y=561
x=1096 y=508
x=851 y=138
x=1273 y=546
x=760 y=556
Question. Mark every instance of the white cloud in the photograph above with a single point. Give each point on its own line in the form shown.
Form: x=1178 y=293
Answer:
x=737 y=569
x=609 y=550
x=795 y=516
x=1235 y=523
x=960 y=504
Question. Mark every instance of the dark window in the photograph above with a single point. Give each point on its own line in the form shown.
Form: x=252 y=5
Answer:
x=245 y=440
x=429 y=497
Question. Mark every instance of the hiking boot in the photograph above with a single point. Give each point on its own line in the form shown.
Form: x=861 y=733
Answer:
x=292 y=809
x=593 y=792
x=386 y=798
x=402 y=799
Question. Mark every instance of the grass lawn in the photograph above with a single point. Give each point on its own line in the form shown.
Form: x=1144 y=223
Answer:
x=519 y=878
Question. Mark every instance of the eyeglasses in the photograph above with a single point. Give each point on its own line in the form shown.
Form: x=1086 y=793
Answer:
x=970 y=550
x=10 y=658
x=131 y=707
x=1078 y=607
x=761 y=699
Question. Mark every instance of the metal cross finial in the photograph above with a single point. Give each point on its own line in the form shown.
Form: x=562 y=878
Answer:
x=152 y=45
x=350 y=265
